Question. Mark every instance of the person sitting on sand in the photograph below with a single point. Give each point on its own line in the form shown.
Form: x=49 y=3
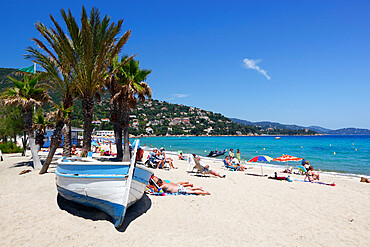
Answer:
x=206 y=167
x=234 y=163
x=153 y=158
x=290 y=170
x=311 y=175
x=181 y=156
x=73 y=150
x=162 y=156
x=306 y=165
x=177 y=188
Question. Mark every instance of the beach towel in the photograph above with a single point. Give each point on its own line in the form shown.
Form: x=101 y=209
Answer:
x=314 y=182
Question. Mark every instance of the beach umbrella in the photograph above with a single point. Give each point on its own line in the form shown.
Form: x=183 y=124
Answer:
x=261 y=158
x=286 y=158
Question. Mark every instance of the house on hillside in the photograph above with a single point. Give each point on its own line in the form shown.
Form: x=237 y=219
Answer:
x=149 y=130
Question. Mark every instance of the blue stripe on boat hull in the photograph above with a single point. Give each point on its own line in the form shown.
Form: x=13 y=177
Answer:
x=112 y=209
x=102 y=171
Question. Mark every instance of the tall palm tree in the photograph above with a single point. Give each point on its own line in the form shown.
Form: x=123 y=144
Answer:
x=133 y=88
x=28 y=94
x=84 y=54
x=58 y=77
x=112 y=83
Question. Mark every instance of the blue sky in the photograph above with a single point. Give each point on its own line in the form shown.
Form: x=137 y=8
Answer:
x=308 y=60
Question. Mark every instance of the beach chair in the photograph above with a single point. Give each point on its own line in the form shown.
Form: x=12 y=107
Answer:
x=89 y=155
x=229 y=167
x=194 y=165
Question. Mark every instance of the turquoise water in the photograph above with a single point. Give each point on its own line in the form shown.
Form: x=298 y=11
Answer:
x=318 y=150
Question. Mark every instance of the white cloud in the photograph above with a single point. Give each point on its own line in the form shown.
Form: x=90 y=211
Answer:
x=178 y=96
x=252 y=64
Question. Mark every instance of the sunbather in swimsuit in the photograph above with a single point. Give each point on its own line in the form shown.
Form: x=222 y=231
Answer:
x=178 y=188
x=182 y=189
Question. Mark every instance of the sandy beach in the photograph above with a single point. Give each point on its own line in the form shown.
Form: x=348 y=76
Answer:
x=242 y=210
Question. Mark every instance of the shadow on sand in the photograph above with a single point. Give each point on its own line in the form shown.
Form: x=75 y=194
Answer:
x=25 y=164
x=133 y=212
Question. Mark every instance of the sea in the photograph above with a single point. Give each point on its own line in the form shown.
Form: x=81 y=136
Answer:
x=344 y=154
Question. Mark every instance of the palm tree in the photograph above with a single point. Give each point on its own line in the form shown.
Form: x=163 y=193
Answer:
x=40 y=124
x=112 y=83
x=84 y=55
x=58 y=77
x=133 y=88
x=57 y=117
x=28 y=94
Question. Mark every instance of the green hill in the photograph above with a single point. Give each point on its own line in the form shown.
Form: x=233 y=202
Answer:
x=155 y=117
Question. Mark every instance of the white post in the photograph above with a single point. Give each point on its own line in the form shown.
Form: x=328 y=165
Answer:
x=34 y=68
x=1 y=156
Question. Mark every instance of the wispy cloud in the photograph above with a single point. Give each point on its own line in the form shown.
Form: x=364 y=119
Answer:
x=178 y=96
x=252 y=64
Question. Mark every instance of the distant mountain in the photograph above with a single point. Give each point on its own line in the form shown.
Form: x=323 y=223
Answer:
x=319 y=129
x=271 y=125
x=266 y=125
x=349 y=131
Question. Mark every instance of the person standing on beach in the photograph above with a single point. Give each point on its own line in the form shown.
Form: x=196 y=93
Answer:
x=231 y=154
x=238 y=155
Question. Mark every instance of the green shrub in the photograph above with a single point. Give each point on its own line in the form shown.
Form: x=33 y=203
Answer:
x=10 y=147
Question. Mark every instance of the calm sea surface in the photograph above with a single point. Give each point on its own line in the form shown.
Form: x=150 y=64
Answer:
x=344 y=154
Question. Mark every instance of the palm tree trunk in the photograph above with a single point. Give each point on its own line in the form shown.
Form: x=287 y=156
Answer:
x=24 y=143
x=27 y=115
x=67 y=139
x=126 y=154
x=118 y=137
x=34 y=150
x=87 y=108
x=56 y=138
x=126 y=122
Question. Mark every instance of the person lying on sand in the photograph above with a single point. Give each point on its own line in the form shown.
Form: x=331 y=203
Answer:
x=311 y=176
x=183 y=188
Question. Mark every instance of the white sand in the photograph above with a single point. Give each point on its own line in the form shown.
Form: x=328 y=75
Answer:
x=242 y=210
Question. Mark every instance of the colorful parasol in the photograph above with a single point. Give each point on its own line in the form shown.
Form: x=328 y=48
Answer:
x=261 y=158
x=286 y=158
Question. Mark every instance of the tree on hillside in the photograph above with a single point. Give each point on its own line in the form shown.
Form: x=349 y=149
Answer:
x=27 y=94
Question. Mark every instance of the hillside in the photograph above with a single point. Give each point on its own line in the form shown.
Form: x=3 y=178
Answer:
x=162 y=118
x=4 y=80
x=271 y=125
x=349 y=131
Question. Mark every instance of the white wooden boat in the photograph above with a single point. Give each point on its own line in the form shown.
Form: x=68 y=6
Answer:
x=109 y=186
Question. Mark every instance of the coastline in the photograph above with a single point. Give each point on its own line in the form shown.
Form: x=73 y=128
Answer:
x=241 y=210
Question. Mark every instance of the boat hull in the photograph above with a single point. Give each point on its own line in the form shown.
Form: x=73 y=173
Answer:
x=101 y=185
